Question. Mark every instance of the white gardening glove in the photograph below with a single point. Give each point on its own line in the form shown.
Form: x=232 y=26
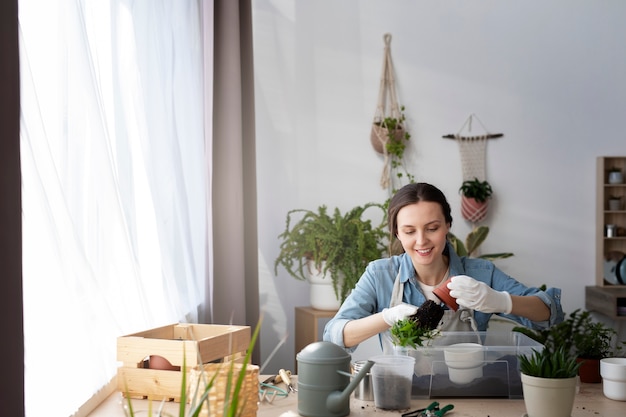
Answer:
x=479 y=296
x=401 y=311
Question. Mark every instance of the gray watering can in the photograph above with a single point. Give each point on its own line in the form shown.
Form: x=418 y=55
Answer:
x=325 y=381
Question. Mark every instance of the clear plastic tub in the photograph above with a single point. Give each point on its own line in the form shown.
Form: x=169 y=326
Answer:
x=499 y=375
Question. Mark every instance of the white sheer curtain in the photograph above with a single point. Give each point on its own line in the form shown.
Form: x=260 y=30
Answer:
x=114 y=185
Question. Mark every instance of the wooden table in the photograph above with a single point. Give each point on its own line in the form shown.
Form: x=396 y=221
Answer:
x=590 y=402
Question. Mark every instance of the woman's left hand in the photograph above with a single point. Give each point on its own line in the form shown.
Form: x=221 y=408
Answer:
x=479 y=296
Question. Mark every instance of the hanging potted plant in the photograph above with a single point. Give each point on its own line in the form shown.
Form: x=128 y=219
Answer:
x=332 y=247
x=475 y=195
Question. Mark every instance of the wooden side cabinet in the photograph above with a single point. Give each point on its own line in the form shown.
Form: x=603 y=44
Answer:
x=307 y=325
x=608 y=301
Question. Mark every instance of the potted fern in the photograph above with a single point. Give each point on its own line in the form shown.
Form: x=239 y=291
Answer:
x=475 y=195
x=549 y=381
x=331 y=246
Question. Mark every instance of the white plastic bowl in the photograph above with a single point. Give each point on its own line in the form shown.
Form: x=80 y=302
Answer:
x=613 y=372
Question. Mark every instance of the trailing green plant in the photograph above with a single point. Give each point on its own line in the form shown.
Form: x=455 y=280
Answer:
x=397 y=139
x=473 y=240
x=335 y=243
x=200 y=395
x=481 y=191
x=549 y=363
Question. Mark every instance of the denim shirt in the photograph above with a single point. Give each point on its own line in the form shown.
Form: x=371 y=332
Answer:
x=372 y=292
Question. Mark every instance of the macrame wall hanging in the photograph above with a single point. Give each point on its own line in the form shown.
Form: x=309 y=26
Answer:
x=473 y=153
x=389 y=124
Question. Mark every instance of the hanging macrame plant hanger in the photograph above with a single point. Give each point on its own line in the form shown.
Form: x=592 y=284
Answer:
x=387 y=124
x=473 y=154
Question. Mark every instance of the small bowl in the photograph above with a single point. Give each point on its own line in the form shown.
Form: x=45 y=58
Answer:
x=613 y=371
x=443 y=293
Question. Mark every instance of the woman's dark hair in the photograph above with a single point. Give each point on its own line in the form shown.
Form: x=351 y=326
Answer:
x=414 y=193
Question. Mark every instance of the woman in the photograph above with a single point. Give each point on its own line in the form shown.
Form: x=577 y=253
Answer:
x=392 y=288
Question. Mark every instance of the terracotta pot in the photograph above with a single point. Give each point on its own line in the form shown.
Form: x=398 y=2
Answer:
x=473 y=210
x=443 y=293
x=589 y=371
x=380 y=136
x=159 y=362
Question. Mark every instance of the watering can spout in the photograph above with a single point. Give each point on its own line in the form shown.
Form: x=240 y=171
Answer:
x=337 y=400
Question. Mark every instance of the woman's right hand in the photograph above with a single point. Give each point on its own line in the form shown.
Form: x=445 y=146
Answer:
x=401 y=311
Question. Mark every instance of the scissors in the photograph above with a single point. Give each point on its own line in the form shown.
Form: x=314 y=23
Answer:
x=432 y=410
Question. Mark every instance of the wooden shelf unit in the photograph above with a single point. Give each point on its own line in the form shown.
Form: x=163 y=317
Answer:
x=605 y=216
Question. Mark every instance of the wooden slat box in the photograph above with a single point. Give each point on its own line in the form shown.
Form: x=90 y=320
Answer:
x=197 y=343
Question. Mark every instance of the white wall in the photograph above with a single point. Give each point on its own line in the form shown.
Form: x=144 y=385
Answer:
x=549 y=74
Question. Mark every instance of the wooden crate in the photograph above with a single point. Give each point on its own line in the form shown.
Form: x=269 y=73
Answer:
x=197 y=344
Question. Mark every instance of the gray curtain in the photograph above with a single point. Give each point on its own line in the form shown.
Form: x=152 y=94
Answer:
x=12 y=376
x=234 y=294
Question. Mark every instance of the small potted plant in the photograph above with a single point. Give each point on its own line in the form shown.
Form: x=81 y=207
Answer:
x=390 y=137
x=615 y=176
x=589 y=341
x=331 y=244
x=475 y=195
x=592 y=341
x=615 y=202
x=549 y=381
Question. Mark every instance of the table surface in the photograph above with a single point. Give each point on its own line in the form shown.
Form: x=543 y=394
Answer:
x=589 y=402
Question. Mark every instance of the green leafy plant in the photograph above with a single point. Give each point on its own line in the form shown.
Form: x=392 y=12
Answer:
x=395 y=145
x=341 y=244
x=549 y=363
x=420 y=328
x=473 y=240
x=481 y=191
x=586 y=338
x=200 y=395
x=407 y=333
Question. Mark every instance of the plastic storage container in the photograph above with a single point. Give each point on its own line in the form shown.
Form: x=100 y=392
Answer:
x=499 y=376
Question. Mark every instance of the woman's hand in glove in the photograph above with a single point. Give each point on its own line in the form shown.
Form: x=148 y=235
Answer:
x=479 y=296
x=401 y=311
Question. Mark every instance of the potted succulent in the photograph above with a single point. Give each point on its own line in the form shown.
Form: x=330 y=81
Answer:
x=475 y=195
x=549 y=381
x=338 y=246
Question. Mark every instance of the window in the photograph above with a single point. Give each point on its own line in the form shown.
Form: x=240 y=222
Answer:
x=114 y=185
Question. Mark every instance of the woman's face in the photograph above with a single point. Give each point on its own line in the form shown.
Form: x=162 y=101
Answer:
x=422 y=230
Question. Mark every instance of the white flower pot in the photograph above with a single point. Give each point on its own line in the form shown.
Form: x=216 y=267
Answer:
x=552 y=397
x=322 y=291
x=613 y=371
x=465 y=362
